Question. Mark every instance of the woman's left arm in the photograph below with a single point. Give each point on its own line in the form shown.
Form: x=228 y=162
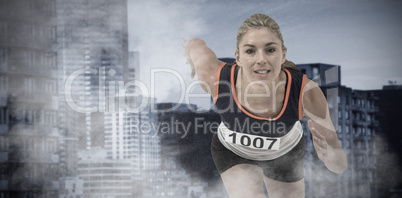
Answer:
x=325 y=139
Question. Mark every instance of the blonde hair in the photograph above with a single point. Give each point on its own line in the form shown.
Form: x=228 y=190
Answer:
x=258 y=21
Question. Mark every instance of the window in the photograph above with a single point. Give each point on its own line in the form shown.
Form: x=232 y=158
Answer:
x=39 y=116
x=52 y=60
x=50 y=86
x=346 y=143
x=3 y=58
x=3 y=115
x=50 y=118
x=29 y=116
x=3 y=83
x=42 y=59
x=358 y=131
x=41 y=32
x=315 y=72
x=358 y=145
x=4 y=143
x=51 y=33
x=30 y=57
x=29 y=84
x=51 y=145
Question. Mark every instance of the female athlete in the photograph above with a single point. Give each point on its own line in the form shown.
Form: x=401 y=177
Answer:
x=261 y=99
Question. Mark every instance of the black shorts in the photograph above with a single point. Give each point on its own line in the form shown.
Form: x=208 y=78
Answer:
x=286 y=168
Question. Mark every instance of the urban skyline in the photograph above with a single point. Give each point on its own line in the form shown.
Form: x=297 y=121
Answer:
x=361 y=36
x=50 y=149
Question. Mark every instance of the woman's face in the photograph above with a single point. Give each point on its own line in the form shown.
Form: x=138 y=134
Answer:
x=260 y=55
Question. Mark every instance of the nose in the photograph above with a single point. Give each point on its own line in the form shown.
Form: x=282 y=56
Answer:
x=260 y=58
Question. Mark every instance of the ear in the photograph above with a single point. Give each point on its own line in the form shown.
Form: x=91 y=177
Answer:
x=284 y=51
x=237 y=58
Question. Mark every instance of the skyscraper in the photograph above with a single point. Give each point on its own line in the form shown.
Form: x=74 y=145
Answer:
x=29 y=132
x=93 y=55
x=100 y=97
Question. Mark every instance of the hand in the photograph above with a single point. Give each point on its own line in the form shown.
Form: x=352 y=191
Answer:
x=187 y=55
x=320 y=143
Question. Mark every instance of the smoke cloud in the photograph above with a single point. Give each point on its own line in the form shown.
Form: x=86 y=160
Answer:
x=155 y=30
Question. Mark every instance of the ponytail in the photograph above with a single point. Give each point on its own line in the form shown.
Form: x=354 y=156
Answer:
x=290 y=65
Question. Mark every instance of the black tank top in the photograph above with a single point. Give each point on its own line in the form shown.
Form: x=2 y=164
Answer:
x=237 y=118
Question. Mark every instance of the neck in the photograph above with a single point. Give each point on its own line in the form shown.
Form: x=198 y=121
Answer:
x=265 y=98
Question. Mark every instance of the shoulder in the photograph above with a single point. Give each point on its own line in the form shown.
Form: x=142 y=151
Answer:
x=297 y=78
x=314 y=101
x=224 y=72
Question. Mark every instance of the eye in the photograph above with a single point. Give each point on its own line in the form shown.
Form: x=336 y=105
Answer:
x=270 y=50
x=249 y=51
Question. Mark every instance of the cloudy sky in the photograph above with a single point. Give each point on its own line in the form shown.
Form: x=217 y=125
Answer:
x=362 y=36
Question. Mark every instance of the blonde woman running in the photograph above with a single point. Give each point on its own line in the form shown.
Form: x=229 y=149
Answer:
x=261 y=99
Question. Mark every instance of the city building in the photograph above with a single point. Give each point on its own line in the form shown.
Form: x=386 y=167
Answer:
x=132 y=135
x=94 y=55
x=388 y=149
x=133 y=69
x=29 y=133
x=93 y=59
x=353 y=113
x=98 y=176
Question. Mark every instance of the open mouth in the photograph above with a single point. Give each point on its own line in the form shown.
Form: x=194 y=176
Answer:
x=262 y=71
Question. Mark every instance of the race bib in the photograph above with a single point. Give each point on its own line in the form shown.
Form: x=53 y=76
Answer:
x=252 y=141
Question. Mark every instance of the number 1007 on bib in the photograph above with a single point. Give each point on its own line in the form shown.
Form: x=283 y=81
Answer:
x=253 y=141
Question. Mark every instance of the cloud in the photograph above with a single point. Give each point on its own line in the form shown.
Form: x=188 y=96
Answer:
x=155 y=30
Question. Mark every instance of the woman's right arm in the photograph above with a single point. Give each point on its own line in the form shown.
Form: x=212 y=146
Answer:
x=204 y=62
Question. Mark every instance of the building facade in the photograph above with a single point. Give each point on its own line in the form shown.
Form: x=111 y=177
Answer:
x=388 y=150
x=353 y=113
x=98 y=176
x=93 y=58
x=29 y=132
